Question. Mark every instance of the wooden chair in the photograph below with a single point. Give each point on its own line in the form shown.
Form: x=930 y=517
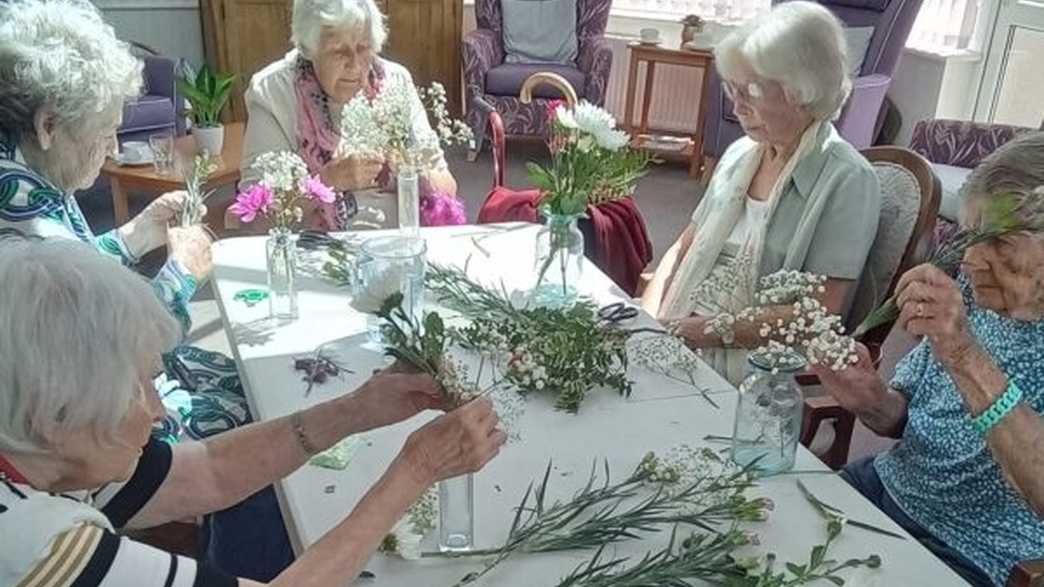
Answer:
x=910 y=202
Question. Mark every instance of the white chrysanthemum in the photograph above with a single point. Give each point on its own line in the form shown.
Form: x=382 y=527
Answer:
x=612 y=140
x=565 y=117
x=593 y=120
x=368 y=297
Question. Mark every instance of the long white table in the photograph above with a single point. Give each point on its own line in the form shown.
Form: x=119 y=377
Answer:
x=659 y=414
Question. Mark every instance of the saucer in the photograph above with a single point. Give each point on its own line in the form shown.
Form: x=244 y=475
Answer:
x=124 y=160
x=651 y=43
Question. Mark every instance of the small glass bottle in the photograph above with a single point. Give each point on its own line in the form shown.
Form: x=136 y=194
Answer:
x=281 y=257
x=769 y=413
x=559 y=261
x=408 y=188
x=457 y=514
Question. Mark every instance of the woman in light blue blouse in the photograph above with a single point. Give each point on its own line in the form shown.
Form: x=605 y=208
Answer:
x=967 y=477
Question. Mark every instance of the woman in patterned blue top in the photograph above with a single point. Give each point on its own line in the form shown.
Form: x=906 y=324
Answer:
x=973 y=494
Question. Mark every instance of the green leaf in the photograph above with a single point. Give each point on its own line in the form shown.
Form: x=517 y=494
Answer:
x=818 y=552
x=835 y=580
x=389 y=305
x=797 y=570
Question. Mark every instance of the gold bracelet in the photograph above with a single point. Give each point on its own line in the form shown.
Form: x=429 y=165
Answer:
x=302 y=438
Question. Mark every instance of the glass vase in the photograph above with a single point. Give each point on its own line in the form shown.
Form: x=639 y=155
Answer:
x=409 y=200
x=457 y=514
x=281 y=256
x=559 y=261
x=385 y=266
x=769 y=412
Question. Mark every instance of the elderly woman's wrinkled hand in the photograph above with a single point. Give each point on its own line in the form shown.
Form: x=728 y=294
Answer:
x=459 y=442
x=148 y=230
x=693 y=330
x=354 y=172
x=393 y=395
x=931 y=305
x=857 y=387
x=190 y=246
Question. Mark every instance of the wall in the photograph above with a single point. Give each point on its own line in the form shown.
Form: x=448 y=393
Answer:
x=928 y=86
x=172 y=27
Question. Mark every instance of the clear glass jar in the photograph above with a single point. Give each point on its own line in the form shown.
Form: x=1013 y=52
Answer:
x=387 y=265
x=457 y=514
x=769 y=413
x=281 y=265
x=559 y=261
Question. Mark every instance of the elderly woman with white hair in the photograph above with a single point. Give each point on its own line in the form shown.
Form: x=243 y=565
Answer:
x=967 y=477
x=295 y=103
x=77 y=464
x=792 y=194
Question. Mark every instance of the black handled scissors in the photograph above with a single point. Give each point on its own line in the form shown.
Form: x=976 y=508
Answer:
x=617 y=312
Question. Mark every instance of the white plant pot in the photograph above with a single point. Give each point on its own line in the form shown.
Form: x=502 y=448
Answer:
x=209 y=139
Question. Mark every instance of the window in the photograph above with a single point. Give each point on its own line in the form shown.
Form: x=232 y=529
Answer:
x=719 y=10
x=945 y=25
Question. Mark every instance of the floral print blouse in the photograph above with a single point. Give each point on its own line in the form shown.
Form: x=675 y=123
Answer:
x=32 y=205
x=942 y=473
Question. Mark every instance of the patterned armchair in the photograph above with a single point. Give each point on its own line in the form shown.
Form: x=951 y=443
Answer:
x=488 y=78
x=160 y=108
x=955 y=147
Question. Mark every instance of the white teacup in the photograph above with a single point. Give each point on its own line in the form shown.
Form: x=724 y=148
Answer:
x=649 y=35
x=135 y=151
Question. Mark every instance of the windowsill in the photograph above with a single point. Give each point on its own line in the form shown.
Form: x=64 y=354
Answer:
x=945 y=55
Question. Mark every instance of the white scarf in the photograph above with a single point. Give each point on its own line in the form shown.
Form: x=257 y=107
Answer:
x=715 y=218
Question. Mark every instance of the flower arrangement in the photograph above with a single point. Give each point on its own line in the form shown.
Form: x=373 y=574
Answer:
x=562 y=351
x=999 y=218
x=195 y=179
x=284 y=184
x=810 y=330
x=382 y=125
x=591 y=161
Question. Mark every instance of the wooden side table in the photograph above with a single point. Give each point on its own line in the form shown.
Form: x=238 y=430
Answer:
x=651 y=55
x=144 y=177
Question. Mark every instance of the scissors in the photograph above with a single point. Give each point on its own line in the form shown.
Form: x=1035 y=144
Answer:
x=617 y=312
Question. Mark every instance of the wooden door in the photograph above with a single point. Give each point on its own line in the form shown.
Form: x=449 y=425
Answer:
x=242 y=37
x=424 y=36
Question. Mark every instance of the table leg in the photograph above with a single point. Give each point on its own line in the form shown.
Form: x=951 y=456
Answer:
x=119 y=201
x=632 y=81
x=650 y=69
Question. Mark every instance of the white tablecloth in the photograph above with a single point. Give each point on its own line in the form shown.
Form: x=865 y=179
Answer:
x=659 y=414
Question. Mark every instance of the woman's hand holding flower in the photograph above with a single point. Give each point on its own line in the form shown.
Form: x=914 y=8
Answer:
x=931 y=305
x=351 y=173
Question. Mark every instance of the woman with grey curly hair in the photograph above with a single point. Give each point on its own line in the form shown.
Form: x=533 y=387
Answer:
x=294 y=104
x=967 y=404
x=791 y=194
x=77 y=465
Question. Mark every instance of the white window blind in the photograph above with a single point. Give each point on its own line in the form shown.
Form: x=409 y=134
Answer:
x=719 y=10
x=945 y=25
x=941 y=25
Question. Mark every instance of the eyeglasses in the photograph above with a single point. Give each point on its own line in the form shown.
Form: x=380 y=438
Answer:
x=751 y=92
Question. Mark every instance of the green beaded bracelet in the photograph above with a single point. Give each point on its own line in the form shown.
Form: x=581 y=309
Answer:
x=1003 y=405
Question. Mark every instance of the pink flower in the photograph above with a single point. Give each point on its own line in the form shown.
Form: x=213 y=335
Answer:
x=441 y=209
x=256 y=200
x=317 y=190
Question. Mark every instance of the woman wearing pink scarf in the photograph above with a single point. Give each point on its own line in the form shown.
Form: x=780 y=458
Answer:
x=294 y=104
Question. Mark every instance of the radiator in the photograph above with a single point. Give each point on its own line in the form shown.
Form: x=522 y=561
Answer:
x=675 y=96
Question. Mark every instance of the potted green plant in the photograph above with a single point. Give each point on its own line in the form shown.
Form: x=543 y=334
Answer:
x=207 y=95
x=692 y=25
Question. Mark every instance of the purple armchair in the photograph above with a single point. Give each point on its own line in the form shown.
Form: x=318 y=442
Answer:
x=489 y=79
x=892 y=21
x=160 y=107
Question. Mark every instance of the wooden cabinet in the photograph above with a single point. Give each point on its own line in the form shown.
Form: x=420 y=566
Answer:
x=243 y=36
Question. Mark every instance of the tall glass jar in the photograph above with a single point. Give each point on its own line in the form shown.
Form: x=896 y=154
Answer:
x=409 y=200
x=385 y=266
x=769 y=412
x=559 y=261
x=457 y=514
x=281 y=257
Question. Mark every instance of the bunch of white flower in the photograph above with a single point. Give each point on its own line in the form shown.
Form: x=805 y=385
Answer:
x=406 y=536
x=662 y=354
x=595 y=122
x=281 y=171
x=456 y=381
